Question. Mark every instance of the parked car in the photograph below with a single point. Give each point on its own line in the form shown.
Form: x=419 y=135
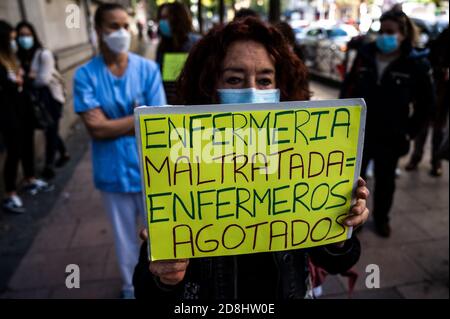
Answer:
x=324 y=48
x=298 y=26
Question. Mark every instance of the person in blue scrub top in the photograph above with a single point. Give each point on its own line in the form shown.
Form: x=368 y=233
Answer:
x=106 y=91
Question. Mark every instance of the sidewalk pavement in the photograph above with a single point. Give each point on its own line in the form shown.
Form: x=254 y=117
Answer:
x=77 y=231
x=413 y=263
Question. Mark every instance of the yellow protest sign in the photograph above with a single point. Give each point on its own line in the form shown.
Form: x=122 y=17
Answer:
x=238 y=179
x=172 y=65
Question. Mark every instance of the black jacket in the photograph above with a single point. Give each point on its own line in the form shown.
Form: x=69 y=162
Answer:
x=279 y=275
x=15 y=109
x=406 y=82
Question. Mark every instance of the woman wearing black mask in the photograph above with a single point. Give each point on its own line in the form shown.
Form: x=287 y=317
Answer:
x=42 y=77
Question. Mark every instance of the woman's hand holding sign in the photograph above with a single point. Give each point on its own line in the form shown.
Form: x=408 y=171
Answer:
x=359 y=213
x=172 y=272
x=169 y=272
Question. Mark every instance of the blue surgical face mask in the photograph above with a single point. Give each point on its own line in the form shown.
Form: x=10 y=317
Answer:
x=250 y=95
x=164 y=27
x=387 y=43
x=26 y=42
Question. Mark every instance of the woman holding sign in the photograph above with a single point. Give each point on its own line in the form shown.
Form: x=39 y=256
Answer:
x=177 y=39
x=246 y=61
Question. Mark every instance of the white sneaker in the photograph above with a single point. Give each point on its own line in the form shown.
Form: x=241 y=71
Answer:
x=13 y=204
x=37 y=186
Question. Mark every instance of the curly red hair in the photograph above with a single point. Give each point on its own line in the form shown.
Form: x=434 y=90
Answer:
x=197 y=81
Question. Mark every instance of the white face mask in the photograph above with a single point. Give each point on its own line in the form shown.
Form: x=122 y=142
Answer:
x=118 y=41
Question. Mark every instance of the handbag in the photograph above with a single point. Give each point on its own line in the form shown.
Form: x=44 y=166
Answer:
x=42 y=117
x=39 y=99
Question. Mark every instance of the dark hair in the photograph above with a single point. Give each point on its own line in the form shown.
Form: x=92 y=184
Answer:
x=26 y=56
x=406 y=26
x=197 y=81
x=180 y=21
x=286 y=31
x=160 y=9
x=5 y=37
x=245 y=13
x=6 y=54
x=102 y=9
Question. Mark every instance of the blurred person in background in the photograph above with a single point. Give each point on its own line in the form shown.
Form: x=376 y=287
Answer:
x=286 y=30
x=140 y=28
x=106 y=91
x=439 y=58
x=390 y=75
x=245 y=13
x=16 y=125
x=177 y=36
x=42 y=77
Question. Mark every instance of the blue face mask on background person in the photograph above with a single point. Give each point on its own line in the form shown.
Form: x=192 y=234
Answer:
x=250 y=95
x=387 y=43
x=118 y=41
x=26 y=42
x=164 y=27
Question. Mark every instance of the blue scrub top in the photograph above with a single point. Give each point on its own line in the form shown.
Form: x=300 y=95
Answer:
x=116 y=161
